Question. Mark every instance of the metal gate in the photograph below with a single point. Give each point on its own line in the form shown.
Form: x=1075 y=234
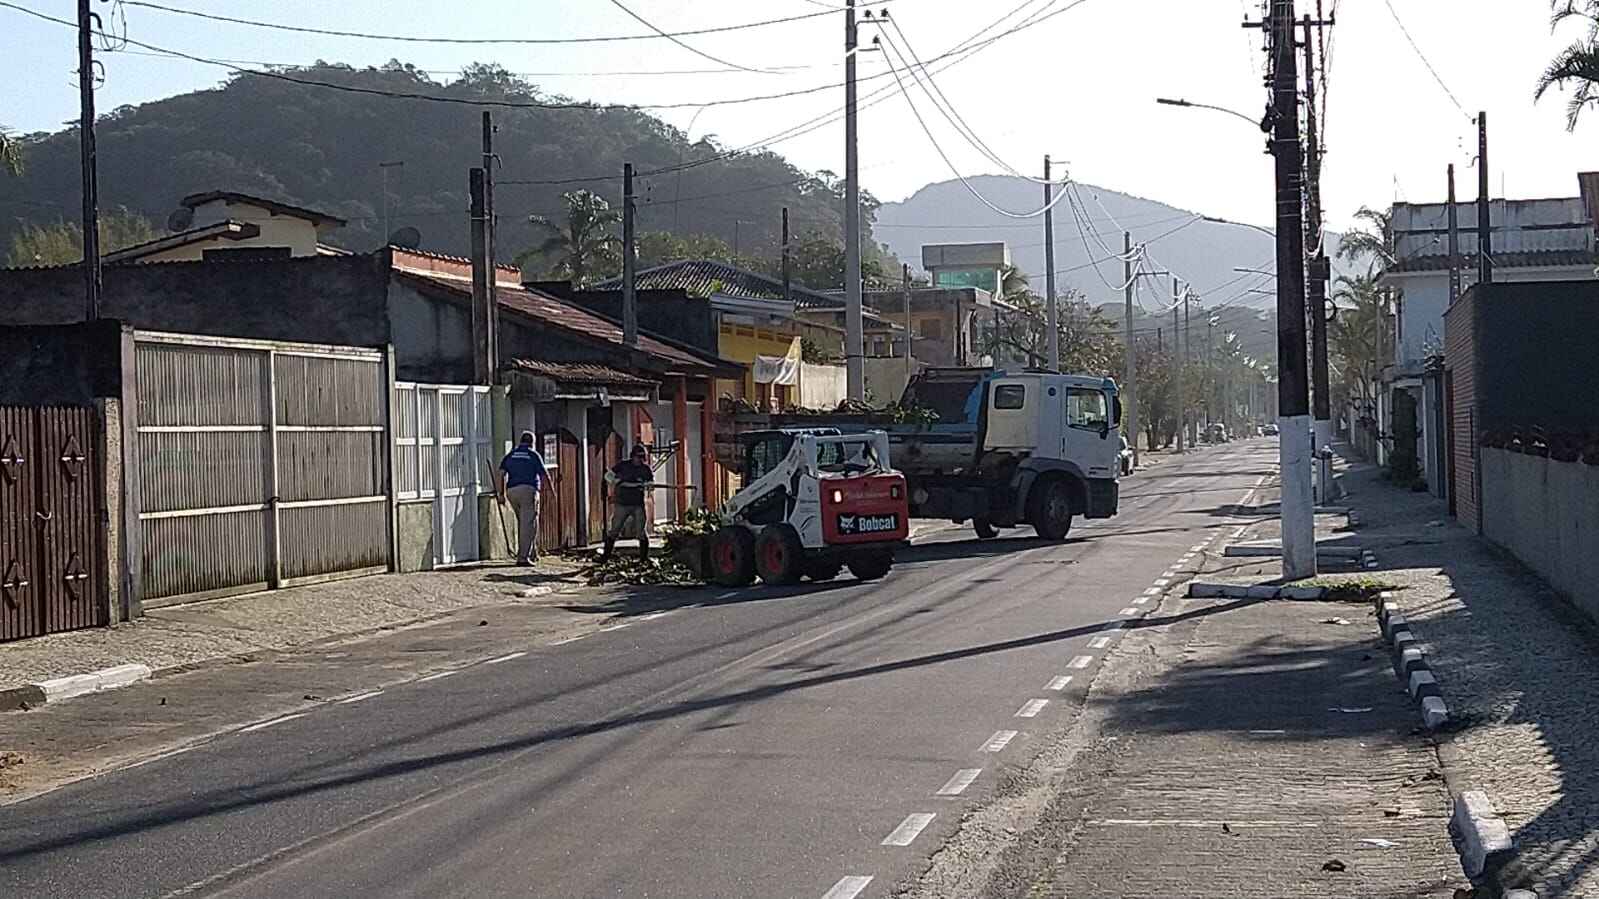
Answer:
x=444 y=451
x=261 y=464
x=50 y=493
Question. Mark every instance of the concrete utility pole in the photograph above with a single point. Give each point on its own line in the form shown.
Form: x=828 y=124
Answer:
x=1319 y=270
x=854 y=325
x=1293 y=389
x=629 y=262
x=489 y=223
x=87 y=22
x=788 y=284
x=1130 y=385
x=905 y=272
x=1188 y=358
x=1178 y=367
x=482 y=279
x=1049 y=271
x=1454 y=241
x=1485 y=262
x=383 y=169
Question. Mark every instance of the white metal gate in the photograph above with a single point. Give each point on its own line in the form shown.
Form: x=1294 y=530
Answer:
x=444 y=452
x=261 y=464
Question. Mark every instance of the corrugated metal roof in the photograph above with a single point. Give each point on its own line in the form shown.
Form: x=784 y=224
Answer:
x=581 y=373
x=703 y=277
x=1468 y=261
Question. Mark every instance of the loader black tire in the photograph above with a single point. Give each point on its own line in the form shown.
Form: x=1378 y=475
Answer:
x=779 y=555
x=824 y=568
x=869 y=566
x=732 y=557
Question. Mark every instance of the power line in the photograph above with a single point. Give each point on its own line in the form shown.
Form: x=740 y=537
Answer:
x=1423 y=57
x=689 y=47
x=457 y=72
x=416 y=39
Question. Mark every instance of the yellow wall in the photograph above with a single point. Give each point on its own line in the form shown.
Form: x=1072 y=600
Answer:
x=742 y=343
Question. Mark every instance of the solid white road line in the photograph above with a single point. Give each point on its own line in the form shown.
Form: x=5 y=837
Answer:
x=505 y=658
x=1197 y=548
x=272 y=722
x=164 y=755
x=566 y=640
x=848 y=887
x=1152 y=591
x=1130 y=610
x=999 y=740
x=1031 y=708
x=1099 y=643
x=908 y=829
x=360 y=696
x=957 y=785
x=1080 y=662
x=435 y=676
x=1058 y=683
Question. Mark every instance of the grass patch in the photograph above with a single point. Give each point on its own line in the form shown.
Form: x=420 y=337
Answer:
x=1350 y=589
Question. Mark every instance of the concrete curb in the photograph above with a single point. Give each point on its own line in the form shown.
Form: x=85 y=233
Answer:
x=60 y=688
x=1201 y=590
x=1481 y=836
x=1410 y=664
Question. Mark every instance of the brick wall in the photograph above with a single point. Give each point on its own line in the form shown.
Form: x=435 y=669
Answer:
x=1460 y=363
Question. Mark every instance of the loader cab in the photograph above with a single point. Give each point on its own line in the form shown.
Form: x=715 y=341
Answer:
x=764 y=451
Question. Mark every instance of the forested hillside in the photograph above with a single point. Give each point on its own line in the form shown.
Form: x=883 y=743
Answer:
x=320 y=147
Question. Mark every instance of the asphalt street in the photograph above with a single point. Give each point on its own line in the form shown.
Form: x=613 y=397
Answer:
x=818 y=741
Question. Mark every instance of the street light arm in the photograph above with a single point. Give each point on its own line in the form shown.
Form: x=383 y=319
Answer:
x=1189 y=104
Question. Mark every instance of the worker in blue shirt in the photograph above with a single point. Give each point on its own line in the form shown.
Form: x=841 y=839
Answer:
x=521 y=474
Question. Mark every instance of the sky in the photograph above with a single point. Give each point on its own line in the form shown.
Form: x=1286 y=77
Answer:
x=1079 y=85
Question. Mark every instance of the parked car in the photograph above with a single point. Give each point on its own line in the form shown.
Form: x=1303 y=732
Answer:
x=1126 y=455
x=1217 y=433
x=1269 y=430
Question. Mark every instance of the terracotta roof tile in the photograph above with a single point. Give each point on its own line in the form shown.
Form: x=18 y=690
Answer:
x=702 y=277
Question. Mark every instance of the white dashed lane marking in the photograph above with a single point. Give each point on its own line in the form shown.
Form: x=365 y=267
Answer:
x=360 y=696
x=848 y=887
x=1161 y=582
x=999 y=740
x=909 y=829
x=1080 y=662
x=1152 y=591
x=957 y=785
x=435 y=676
x=271 y=722
x=1130 y=610
x=1058 y=683
x=1031 y=708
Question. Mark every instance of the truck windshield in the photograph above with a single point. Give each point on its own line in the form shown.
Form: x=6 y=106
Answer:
x=1086 y=409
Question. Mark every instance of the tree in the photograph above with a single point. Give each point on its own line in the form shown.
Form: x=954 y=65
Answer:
x=582 y=246
x=662 y=247
x=1355 y=339
x=817 y=262
x=1087 y=339
x=1156 y=412
x=1575 y=68
x=1373 y=241
x=62 y=242
x=10 y=153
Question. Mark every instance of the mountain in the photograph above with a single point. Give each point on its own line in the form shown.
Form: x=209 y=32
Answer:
x=313 y=146
x=1088 y=225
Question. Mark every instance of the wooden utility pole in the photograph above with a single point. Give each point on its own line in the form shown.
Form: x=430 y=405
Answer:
x=1178 y=367
x=629 y=262
x=906 y=274
x=482 y=284
x=788 y=288
x=1454 y=241
x=854 y=320
x=87 y=22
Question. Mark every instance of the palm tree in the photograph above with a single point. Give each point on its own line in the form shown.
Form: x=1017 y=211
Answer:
x=1577 y=66
x=1355 y=336
x=1375 y=239
x=583 y=245
x=10 y=153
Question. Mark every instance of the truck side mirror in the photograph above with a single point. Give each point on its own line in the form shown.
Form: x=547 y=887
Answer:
x=1116 y=409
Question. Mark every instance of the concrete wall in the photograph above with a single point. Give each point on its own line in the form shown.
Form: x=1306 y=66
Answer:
x=1543 y=512
x=326 y=299
x=1535 y=354
x=60 y=365
x=432 y=338
x=415 y=526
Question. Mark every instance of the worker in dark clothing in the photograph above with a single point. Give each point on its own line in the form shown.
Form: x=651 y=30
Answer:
x=629 y=479
x=521 y=473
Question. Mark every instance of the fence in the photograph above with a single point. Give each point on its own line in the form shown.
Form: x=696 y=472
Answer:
x=260 y=464
x=1543 y=511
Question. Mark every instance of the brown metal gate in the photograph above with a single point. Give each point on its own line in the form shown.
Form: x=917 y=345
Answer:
x=49 y=495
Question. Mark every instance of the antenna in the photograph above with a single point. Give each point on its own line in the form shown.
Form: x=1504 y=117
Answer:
x=180 y=219
x=407 y=238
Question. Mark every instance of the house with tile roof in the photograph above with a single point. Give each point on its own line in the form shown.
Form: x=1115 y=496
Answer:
x=229 y=224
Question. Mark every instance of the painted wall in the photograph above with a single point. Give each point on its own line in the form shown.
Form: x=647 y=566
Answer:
x=414 y=523
x=298 y=234
x=1542 y=511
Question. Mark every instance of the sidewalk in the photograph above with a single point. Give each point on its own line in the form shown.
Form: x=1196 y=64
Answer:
x=1519 y=668
x=1250 y=748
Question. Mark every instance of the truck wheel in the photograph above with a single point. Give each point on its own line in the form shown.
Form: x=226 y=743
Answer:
x=869 y=566
x=1052 y=510
x=779 y=555
x=824 y=568
x=985 y=529
x=732 y=557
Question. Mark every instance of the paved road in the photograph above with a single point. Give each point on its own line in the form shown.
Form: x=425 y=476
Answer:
x=794 y=743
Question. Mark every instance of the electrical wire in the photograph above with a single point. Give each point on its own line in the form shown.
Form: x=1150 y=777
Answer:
x=687 y=46
x=457 y=72
x=417 y=39
x=1423 y=57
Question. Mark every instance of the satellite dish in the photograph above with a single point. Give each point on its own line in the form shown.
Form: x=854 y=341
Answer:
x=407 y=238
x=180 y=219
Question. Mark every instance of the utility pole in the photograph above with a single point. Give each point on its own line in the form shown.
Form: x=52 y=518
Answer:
x=1178 y=366
x=489 y=222
x=906 y=274
x=629 y=262
x=788 y=289
x=1319 y=269
x=1454 y=241
x=1130 y=386
x=1049 y=271
x=87 y=22
x=1485 y=262
x=854 y=340
x=482 y=281
x=1293 y=389
x=384 y=167
x=1188 y=357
